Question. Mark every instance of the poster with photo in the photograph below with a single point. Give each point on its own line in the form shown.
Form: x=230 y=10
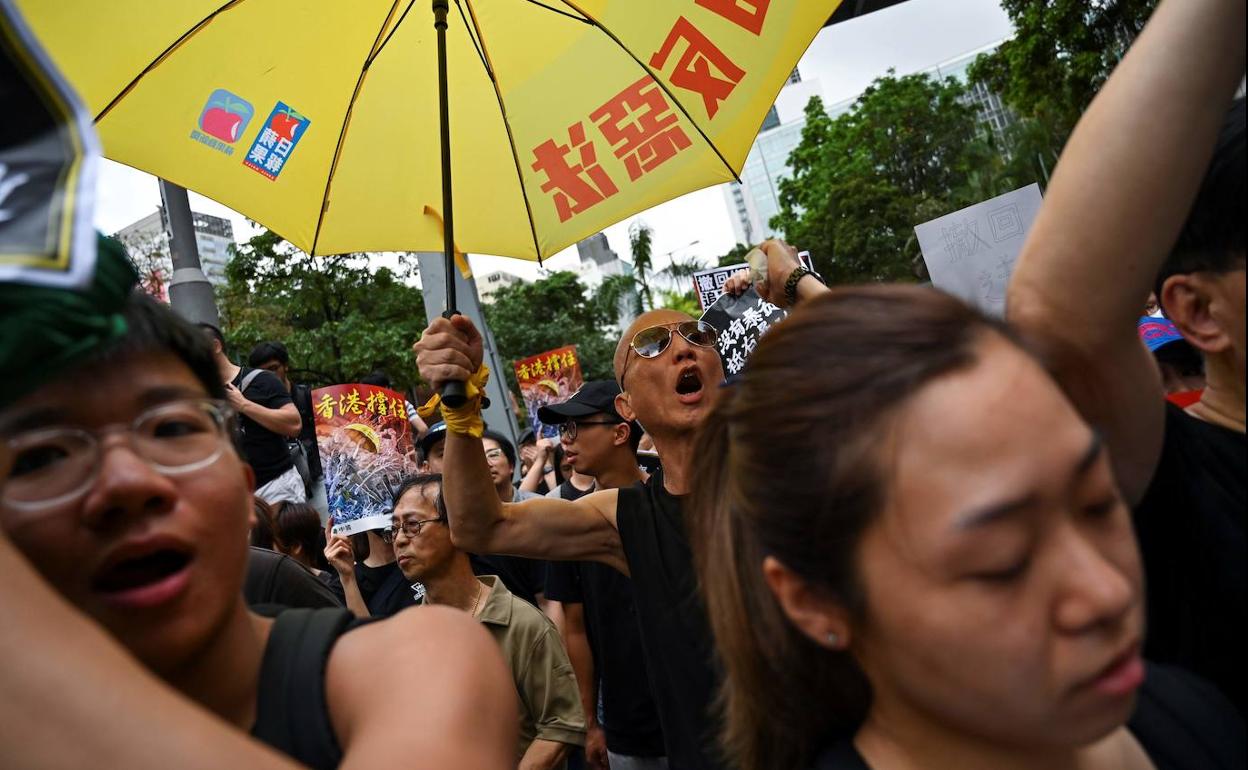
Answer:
x=366 y=449
x=549 y=378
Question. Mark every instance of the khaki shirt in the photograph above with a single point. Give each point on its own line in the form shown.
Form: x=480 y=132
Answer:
x=550 y=702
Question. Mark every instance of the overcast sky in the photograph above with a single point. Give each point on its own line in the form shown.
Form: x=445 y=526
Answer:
x=844 y=59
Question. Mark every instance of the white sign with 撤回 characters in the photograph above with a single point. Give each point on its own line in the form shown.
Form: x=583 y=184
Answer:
x=971 y=253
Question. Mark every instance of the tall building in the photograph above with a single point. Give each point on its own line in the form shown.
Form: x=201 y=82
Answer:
x=598 y=262
x=148 y=242
x=490 y=284
x=756 y=199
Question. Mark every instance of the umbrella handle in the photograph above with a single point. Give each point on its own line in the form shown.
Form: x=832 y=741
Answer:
x=454 y=394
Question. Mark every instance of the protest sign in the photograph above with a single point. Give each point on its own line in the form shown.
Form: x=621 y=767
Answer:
x=366 y=449
x=971 y=253
x=549 y=378
x=49 y=156
x=708 y=285
x=741 y=323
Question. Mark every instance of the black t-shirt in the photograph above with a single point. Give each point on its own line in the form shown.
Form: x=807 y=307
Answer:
x=675 y=633
x=1190 y=526
x=263 y=449
x=1181 y=722
x=525 y=578
x=276 y=579
x=630 y=718
x=384 y=589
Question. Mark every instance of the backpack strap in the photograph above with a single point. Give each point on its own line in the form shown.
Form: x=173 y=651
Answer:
x=292 y=714
x=248 y=379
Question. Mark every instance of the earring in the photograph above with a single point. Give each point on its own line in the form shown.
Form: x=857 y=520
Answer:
x=833 y=640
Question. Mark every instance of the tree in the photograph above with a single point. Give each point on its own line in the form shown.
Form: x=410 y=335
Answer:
x=339 y=316
x=735 y=256
x=908 y=151
x=531 y=318
x=149 y=252
x=1061 y=54
x=639 y=242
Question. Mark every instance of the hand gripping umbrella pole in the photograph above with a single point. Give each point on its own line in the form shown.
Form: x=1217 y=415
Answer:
x=453 y=393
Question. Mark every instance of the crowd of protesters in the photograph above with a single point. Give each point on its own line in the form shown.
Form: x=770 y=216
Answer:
x=907 y=535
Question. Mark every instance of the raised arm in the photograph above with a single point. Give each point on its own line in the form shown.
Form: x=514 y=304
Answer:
x=1118 y=198
x=539 y=528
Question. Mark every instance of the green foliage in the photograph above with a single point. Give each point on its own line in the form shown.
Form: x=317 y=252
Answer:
x=907 y=152
x=734 y=257
x=639 y=242
x=1060 y=56
x=339 y=317
x=686 y=302
x=531 y=318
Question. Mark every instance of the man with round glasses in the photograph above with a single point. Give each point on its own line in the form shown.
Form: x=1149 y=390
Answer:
x=124 y=513
x=551 y=718
x=669 y=371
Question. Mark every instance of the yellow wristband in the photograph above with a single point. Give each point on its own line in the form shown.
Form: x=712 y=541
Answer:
x=466 y=420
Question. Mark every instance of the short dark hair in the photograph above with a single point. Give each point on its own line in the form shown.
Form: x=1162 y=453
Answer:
x=213 y=332
x=300 y=523
x=420 y=481
x=268 y=351
x=376 y=377
x=1212 y=239
x=504 y=443
x=153 y=328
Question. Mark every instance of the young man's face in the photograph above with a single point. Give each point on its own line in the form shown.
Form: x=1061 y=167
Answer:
x=500 y=467
x=156 y=558
x=278 y=368
x=433 y=460
x=595 y=445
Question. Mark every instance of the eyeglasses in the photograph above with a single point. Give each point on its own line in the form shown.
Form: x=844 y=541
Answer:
x=411 y=528
x=568 y=429
x=51 y=466
x=494 y=454
x=652 y=341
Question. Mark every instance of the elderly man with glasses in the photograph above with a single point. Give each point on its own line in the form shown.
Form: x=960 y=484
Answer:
x=551 y=718
x=669 y=373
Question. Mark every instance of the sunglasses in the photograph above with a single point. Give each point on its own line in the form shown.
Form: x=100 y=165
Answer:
x=652 y=341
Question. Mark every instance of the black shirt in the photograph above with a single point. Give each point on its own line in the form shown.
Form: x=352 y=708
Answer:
x=525 y=578
x=384 y=589
x=263 y=449
x=1190 y=526
x=276 y=579
x=1180 y=721
x=630 y=718
x=675 y=633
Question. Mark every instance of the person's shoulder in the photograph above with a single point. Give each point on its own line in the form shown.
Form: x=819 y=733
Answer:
x=520 y=495
x=432 y=658
x=1184 y=721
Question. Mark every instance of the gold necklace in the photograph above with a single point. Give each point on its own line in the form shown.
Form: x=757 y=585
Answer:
x=477 y=601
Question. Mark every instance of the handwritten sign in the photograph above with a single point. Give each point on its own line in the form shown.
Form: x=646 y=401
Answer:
x=708 y=285
x=971 y=253
x=741 y=322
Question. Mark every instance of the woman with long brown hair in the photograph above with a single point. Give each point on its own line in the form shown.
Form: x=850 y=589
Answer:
x=914 y=554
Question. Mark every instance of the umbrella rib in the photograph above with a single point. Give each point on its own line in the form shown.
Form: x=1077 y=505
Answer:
x=561 y=13
x=393 y=29
x=511 y=140
x=163 y=55
x=473 y=37
x=346 y=119
x=679 y=105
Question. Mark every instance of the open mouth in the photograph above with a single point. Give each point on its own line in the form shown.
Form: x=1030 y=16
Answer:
x=142 y=572
x=689 y=383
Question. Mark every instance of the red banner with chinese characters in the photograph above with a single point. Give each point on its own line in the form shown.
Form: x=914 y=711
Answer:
x=366 y=449
x=548 y=378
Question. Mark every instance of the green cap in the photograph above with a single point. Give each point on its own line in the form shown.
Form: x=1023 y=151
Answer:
x=46 y=331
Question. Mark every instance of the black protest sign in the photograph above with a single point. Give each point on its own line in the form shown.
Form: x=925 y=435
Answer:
x=741 y=322
x=48 y=157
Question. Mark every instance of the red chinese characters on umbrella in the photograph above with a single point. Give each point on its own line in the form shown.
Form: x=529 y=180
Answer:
x=577 y=186
x=641 y=127
x=639 y=123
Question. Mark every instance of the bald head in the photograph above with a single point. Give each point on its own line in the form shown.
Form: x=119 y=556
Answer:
x=644 y=321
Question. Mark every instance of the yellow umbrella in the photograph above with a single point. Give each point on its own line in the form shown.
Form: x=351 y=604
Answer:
x=319 y=118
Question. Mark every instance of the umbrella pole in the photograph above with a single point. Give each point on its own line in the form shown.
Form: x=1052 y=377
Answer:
x=453 y=393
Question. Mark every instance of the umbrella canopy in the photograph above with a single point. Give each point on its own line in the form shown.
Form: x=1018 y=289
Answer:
x=319 y=118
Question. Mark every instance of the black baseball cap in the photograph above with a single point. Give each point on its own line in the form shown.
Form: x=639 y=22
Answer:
x=436 y=433
x=594 y=397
